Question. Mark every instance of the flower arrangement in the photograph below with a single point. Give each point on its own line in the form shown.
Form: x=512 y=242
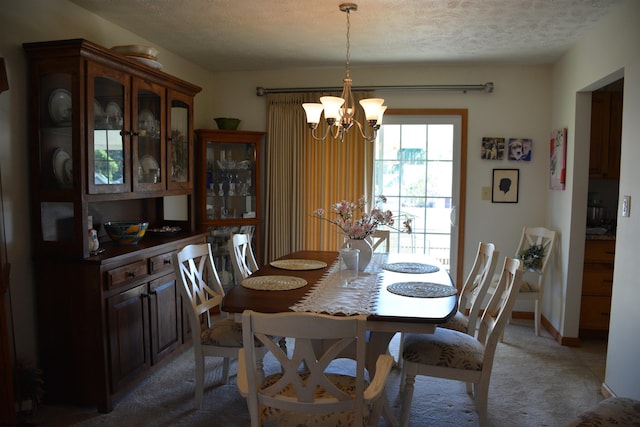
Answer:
x=356 y=223
x=532 y=257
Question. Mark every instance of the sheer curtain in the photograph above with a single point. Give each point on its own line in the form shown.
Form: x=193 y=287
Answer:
x=304 y=174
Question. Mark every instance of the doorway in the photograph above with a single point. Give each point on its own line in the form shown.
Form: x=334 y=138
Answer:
x=417 y=166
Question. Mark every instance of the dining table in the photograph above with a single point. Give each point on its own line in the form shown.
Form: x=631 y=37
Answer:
x=397 y=292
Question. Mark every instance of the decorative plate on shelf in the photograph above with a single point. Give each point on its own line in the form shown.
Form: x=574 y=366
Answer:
x=148 y=163
x=147 y=121
x=149 y=62
x=60 y=106
x=298 y=264
x=114 y=115
x=273 y=283
x=63 y=167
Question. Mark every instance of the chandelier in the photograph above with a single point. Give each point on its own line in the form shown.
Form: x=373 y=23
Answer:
x=339 y=111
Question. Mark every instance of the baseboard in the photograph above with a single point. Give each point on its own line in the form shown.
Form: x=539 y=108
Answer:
x=567 y=341
x=606 y=391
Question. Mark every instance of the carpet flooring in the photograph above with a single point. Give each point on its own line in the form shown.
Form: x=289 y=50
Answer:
x=535 y=382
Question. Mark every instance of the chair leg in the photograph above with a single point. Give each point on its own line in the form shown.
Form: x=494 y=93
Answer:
x=400 y=349
x=225 y=370
x=199 y=379
x=537 y=320
x=481 y=397
x=409 y=381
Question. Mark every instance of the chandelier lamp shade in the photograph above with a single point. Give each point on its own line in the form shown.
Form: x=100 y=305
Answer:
x=339 y=112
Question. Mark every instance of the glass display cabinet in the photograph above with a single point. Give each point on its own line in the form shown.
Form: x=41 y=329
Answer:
x=111 y=139
x=228 y=188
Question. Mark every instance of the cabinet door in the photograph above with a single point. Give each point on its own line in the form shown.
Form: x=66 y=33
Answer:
x=165 y=311
x=148 y=136
x=108 y=139
x=128 y=315
x=180 y=142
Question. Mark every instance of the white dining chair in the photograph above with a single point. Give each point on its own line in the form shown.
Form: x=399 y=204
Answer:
x=472 y=295
x=455 y=355
x=535 y=240
x=310 y=390
x=213 y=335
x=242 y=257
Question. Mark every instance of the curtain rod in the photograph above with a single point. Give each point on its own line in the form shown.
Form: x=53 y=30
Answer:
x=487 y=87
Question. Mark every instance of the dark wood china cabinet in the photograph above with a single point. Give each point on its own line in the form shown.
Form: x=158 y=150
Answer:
x=110 y=139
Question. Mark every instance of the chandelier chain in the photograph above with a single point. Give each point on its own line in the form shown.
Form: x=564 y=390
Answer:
x=348 y=58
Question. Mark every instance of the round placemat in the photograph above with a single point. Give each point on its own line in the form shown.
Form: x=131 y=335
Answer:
x=422 y=289
x=298 y=264
x=273 y=283
x=411 y=267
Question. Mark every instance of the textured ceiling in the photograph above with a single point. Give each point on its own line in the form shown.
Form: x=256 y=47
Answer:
x=228 y=35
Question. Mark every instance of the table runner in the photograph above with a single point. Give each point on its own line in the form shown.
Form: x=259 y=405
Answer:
x=330 y=296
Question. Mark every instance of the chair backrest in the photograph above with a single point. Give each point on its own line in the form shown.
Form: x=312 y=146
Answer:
x=497 y=313
x=380 y=239
x=478 y=282
x=533 y=238
x=242 y=258
x=198 y=282
x=307 y=330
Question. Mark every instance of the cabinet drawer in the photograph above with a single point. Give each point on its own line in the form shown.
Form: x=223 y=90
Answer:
x=597 y=279
x=160 y=262
x=599 y=251
x=595 y=312
x=126 y=274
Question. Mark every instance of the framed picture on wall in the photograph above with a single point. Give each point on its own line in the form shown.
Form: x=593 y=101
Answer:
x=492 y=148
x=520 y=149
x=505 y=186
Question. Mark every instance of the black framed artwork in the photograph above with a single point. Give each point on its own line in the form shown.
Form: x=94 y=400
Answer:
x=505 y=186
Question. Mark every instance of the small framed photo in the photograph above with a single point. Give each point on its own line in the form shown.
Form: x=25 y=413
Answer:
x=520 y=149
x=505 y=186
x=492 y=148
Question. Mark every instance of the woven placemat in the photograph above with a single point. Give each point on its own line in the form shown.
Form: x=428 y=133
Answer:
x=422 y=289
x=273 y=283
x=411 y=267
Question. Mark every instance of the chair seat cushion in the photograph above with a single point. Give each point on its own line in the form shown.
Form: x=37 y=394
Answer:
x=446 y=348
x=223 y=333
x=528 y=287
x=279 y=417
x=459 y=322
x=618 y=411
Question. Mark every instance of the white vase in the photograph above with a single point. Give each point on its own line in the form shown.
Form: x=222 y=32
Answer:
x=365 y=251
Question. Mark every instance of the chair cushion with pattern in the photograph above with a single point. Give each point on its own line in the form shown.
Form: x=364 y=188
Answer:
x=275 y=417
x=528 y=287
x=459 y=322
x=446 y=348
x=224 y=333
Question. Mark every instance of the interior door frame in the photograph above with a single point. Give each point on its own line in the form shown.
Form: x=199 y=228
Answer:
x=462 y=113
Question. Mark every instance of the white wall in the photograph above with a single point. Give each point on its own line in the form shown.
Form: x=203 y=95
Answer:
x=604 y=55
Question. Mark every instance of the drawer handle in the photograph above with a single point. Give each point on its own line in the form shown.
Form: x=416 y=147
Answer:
x=131 y=274
x=144 y=295
x=166 y=261
x=153 y=292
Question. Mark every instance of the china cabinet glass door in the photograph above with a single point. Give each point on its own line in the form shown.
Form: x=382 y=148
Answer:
x=180 y=147
x=148 y=137
x=108 y=152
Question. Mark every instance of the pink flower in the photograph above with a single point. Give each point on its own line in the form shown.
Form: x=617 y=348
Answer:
x=355 y=222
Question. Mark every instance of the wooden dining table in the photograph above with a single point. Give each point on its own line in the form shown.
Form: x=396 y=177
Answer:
x=391 y=314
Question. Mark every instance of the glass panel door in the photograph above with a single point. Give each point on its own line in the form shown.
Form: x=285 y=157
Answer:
x=179 y=154
x=148 y=137
x=416 y=161
x=108 y=153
